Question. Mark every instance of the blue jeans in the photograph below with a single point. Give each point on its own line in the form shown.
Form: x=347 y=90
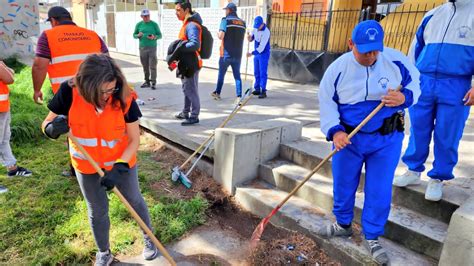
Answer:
x=224 y=63
x=260 y=65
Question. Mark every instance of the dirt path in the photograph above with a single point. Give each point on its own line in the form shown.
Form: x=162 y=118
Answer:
x=223 y=240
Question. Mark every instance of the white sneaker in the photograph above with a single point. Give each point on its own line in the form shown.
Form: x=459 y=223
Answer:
x=238 y=101
x=408 y=178
x=434 y=191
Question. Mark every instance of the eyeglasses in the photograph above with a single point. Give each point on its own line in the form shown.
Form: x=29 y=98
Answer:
x=110 y=91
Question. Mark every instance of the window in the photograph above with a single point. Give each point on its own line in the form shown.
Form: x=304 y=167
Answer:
x=247 y=2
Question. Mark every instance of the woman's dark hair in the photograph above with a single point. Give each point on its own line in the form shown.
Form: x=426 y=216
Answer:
x=93 y=73
x=185 y=5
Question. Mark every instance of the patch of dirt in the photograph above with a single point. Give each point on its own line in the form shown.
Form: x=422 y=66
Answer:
x=226 y=214
x=203 y=259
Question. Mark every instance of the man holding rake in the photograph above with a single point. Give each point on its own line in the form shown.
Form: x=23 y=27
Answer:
x=352 y=87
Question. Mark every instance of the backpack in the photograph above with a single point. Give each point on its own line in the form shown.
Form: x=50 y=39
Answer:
x=206 y=43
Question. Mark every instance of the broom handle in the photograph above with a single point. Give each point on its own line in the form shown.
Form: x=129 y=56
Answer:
x=214 y=133
x=363 y=123
x=129 y=207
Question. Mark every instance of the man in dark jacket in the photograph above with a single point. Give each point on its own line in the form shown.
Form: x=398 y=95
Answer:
x=190 y=61
x=232 y=33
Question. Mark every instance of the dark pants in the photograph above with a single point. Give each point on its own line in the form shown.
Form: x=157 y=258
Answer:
x=149 y=61
x=98 y=204
x=191 y=95
x=234 y=63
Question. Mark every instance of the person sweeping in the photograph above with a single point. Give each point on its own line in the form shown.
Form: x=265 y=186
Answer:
x=352 y=87
x=99 y=110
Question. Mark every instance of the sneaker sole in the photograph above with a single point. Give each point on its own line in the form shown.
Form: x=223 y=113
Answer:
x=409 y=184
x=154 y=256
x=433 y=199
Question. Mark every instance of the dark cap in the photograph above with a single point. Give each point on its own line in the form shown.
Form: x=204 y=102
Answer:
x=58 y=12
x=231 y=7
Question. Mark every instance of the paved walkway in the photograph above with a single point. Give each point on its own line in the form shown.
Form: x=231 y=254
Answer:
x=289 y=100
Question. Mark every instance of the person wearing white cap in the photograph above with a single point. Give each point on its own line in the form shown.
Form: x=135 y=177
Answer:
x=148 y=32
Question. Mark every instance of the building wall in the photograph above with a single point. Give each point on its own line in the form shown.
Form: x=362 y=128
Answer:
x=19 y=28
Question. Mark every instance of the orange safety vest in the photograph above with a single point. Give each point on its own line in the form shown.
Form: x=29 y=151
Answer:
x=182 y=36
x=4 y=98
x=103 y=136
x=69 y=46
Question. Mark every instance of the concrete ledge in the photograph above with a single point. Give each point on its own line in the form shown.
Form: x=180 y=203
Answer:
x=459 y=245
x=240 y=150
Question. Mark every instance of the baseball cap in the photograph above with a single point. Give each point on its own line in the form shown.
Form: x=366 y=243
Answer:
x=145 y=12
x=58 y=12
x=231 y=6
x=368 y=36
x=257 y=22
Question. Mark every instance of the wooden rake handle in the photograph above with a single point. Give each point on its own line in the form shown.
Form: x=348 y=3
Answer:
x=223 y=124
x=316 y=169
x=129 y=207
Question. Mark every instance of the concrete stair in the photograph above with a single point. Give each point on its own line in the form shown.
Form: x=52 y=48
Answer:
x=415 y=231
x=298 y=214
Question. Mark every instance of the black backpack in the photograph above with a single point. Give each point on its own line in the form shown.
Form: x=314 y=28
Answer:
x=206 y=43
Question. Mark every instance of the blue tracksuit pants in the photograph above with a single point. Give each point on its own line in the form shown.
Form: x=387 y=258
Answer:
x=260 y=66
x=380 y=155
x=440 y=110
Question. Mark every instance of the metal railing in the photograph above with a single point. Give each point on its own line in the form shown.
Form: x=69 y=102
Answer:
x=330 y=30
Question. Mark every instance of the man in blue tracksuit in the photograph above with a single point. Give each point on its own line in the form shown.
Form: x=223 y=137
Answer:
x=261 y=36
x=351 y=88
x=444 y=53
x=232 y=34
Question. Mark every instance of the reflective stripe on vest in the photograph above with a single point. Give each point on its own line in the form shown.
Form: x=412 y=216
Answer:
x=4 y=98
x=102 y=135
x=184 y=37
x=69 y=46
x=68 y=58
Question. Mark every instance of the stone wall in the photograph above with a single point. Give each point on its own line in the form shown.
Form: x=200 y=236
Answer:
x=19 y=28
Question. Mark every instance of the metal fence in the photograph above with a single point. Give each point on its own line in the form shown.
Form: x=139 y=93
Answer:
x=330 y=30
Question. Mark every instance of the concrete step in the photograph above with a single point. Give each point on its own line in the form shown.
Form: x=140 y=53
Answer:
x=300 y=215
x=308 y=153
x=413 y=230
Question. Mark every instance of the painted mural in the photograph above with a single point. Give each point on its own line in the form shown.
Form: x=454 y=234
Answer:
x=19 y=28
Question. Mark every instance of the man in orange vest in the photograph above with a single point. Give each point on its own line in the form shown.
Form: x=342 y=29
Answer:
x=61 y=50
x=6 y=156
x=191 y=62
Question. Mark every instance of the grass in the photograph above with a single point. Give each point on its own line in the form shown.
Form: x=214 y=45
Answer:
x=43 y=219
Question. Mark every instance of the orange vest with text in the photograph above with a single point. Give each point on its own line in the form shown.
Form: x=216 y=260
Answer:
x=182 y=36
x=4 y=98
x=103 y=136
x=69 y=46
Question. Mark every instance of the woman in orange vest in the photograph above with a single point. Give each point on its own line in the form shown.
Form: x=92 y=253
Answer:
x=6 y=155
x=99 y=109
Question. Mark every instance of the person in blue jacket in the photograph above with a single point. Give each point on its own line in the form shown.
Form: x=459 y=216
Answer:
x=351 y=88
x=443 y=51
x=261 y=36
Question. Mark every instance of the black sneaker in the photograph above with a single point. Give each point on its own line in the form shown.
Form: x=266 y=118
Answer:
x=377 y=251
x=153 y=86
x=190 y=121
x=19 y=171
x=145 y=85
x=334 y=229
x=262 y=95
x=182 y=116
x=256 y=92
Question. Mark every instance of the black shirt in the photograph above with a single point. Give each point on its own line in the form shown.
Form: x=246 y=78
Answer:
x=62 y=101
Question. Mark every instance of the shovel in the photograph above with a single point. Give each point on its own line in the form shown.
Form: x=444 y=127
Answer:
x=130 y=209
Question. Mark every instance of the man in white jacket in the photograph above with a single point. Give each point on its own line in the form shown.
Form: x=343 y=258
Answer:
x=443 y=51
x=351 y=88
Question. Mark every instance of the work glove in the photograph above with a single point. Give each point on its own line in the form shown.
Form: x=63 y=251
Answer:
x=111 y=178
x=57 y=127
